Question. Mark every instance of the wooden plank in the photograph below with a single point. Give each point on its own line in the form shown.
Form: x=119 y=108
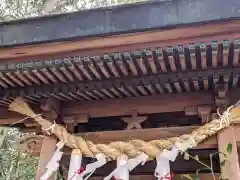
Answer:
x=152 y=134
x=176 y=177
x=128 y=42
x=230 y=169
x=144 y=105
x=47 y=150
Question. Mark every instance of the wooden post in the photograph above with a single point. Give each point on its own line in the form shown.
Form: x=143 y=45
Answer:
x=227 y=145
x=47 y=150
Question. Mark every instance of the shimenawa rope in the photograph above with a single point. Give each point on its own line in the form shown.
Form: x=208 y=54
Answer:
x=131 y=148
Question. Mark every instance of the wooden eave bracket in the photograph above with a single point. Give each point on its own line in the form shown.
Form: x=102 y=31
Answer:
x=203 y=111
x=191 y=110
x=221 y=99
x=221 y=90
x=72 y=120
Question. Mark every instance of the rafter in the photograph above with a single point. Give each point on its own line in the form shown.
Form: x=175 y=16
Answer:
x=115 y=83
x=144 y=105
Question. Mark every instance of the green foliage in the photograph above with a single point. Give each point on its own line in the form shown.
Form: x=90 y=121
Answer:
x=196 y=178
x=187 y=156
x=229 y=148
x=15 y=165
x=18 y=9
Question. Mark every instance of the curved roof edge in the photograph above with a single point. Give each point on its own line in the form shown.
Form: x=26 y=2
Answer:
x=116 y=20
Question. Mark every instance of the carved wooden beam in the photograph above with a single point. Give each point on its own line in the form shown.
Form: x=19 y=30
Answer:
x=143 y=105
x=154 y=133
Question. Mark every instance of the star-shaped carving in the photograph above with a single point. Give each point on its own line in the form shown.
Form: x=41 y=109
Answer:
x=134 y=121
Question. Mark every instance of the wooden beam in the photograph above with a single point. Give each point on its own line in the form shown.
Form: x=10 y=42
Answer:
x=47 y=150
x=144 y=105
x=227 y=144
x=176 y=177
x=124 y=135
x=94 y=46
x=155 y=133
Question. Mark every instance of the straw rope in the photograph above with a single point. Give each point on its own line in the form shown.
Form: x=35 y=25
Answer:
x=129 y=148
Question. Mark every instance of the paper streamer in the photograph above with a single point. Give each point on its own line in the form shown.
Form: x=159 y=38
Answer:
x=75 y=163
x=90 y=168
x=163 y=165
x=124 y=167
x=53 y=164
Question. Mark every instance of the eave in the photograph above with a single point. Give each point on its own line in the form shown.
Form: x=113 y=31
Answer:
x=186 y=57
x=138 y=17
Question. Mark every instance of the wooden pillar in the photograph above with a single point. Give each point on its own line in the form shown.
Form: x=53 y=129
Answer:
x=47 y=150
x=227 y=145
